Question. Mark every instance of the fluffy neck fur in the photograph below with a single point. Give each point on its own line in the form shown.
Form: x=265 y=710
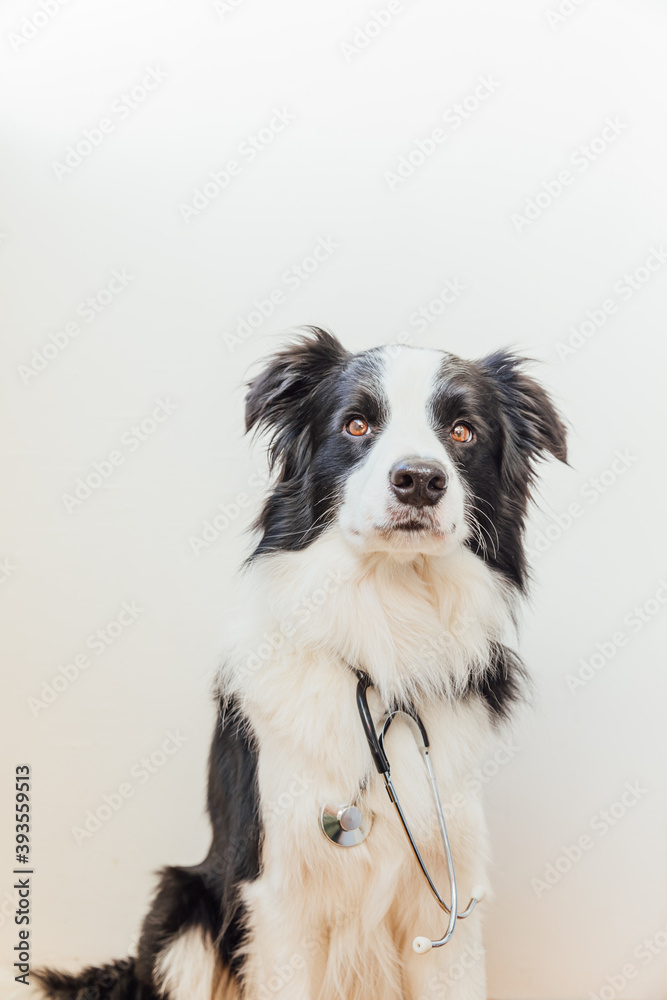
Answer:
x=422 y=628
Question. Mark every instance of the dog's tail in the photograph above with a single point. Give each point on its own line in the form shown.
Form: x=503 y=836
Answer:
x=115 y=981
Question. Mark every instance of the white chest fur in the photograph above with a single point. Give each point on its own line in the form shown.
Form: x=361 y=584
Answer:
x=420 y=629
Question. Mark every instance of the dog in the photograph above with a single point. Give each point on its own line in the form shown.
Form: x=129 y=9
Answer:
x=391 y=542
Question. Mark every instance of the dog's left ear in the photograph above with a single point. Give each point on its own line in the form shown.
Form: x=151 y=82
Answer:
x=531 y=424
x=281 y=399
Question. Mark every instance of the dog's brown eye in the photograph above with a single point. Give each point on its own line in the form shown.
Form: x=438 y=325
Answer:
x=357 y=427
x=461 y=433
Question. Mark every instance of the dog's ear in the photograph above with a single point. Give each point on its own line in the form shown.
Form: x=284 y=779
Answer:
x=530 y=422
x=281 y=399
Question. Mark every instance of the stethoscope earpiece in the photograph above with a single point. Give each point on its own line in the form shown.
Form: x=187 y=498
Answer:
x=422 y=944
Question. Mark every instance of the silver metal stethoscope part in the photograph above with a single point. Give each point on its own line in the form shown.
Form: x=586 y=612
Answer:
x=423 y=944
x=345 y=826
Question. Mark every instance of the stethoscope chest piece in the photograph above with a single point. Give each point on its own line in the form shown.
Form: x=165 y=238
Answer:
x=344 y=825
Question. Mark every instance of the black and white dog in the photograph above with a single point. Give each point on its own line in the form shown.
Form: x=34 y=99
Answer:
x=391 y=542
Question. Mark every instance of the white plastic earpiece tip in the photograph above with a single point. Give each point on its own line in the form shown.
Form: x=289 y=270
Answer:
x=422 y=945
x=478 y=893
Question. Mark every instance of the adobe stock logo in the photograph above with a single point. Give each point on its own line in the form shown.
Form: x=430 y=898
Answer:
x=559 y=14
x=624 y=289
x=122 y=107
x=224 y=7
x=98 y=642
x=539 y=542
x=364 y=34
x=140 y=772
x=88 y=310
x=636 y=619
x=226 y=513
x=452 y=119
x=31 y=26
x=648 y=949
x=600 y=825
x=247 y=151
x=7 y=569
x=130 y=441
x=291 y=280
x=580 y=160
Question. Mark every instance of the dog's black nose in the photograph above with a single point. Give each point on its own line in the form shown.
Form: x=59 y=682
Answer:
x=419 y=482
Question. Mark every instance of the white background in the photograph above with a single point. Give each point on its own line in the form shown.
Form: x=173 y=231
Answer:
x=166 y=336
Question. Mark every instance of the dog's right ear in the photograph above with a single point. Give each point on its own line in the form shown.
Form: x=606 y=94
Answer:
x=531 y=424
x=281 y=398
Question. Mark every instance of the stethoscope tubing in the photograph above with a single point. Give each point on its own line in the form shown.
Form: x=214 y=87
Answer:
x=381 y=761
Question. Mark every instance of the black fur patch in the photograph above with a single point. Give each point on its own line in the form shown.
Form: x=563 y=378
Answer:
x=527 y=426
x=115 y=981
x=204 y=896
x=515 y=425
x=302 y=399
x=233 y=805
x=502 y=683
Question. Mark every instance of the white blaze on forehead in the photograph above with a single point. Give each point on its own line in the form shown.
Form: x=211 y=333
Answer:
x=408 y=380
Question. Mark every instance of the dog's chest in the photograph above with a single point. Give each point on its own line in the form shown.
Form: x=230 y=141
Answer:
x=414 y=630
x=312 y=751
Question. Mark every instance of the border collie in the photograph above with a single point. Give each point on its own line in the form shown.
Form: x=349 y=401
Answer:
x=390 y=543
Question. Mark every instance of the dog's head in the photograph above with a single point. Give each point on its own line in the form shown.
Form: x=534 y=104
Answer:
x=409 y=450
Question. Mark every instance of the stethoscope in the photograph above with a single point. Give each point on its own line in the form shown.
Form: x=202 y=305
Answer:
x=345 y=825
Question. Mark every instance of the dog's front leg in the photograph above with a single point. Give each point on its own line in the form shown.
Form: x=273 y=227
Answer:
x=456 y=971
x=283 y=951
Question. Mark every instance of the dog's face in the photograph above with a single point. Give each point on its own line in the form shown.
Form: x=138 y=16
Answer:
x=409 y=450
